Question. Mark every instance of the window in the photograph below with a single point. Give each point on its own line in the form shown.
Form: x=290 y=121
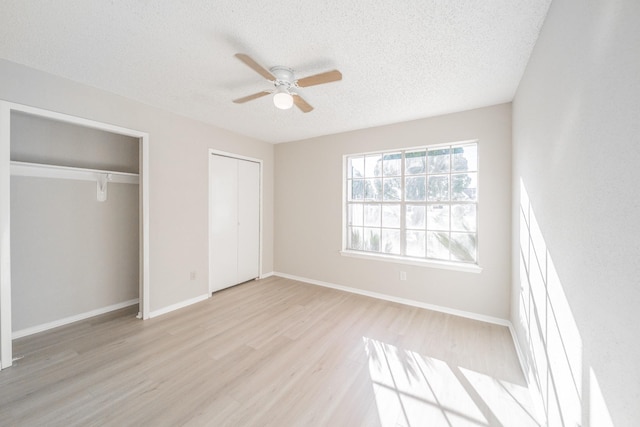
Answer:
x=417 y=203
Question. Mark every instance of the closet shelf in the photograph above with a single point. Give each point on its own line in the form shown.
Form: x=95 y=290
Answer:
x=67 y=172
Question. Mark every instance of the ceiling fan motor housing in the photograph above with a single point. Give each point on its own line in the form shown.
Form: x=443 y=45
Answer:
x=284 y=77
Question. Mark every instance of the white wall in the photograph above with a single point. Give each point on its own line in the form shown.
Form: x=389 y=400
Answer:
x=308 y=215
x=178 y=151
x=576 y=285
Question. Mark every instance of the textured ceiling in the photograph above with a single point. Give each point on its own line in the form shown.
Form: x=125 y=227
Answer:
x=400 y=59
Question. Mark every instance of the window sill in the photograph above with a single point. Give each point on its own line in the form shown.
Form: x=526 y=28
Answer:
x=467 y=268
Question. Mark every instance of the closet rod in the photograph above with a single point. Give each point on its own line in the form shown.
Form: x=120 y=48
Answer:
x=67 y=172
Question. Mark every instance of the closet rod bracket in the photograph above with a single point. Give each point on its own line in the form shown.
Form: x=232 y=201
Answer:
x=103 y=179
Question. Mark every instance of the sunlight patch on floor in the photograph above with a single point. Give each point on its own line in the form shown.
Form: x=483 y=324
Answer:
x=415 y=390
x=507 y=401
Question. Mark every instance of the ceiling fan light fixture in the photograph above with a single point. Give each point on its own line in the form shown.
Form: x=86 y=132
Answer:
x=282 y=99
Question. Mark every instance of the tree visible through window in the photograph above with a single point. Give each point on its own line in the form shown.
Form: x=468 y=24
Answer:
x=415 y=203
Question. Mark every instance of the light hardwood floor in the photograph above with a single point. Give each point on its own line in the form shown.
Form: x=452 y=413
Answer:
x=274 y=352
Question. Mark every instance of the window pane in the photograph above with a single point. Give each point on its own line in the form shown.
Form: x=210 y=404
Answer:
x=356 y=167
x=392 y=164
x=415 y=216
x=356 y=189
x=354 y=238
x=372 y=215
x=372 y=165
x=372 y=239
x=438 y=188
x=463 y=217
x=438 y=160
x=415 y=243
x=438 y=217
x=355 y=214
x=463 y=247
x=464 y=186
x=391 y=189
x=373 y=189
x=465 y=158
x=415 y=162
x=438 y=245
x=420 y=203
x=415 y=188
x=391 y=216
x=391 y=241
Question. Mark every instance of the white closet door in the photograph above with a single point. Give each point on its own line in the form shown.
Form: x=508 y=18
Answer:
x=235 y=221
x=224 y=222
x=248 y=220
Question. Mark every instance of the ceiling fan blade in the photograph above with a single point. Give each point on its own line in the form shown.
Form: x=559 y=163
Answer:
x=301 y=104
x=316 y=79
x=251 y=97
x=255 y=66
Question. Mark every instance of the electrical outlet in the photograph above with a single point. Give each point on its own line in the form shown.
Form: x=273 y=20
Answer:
x=192 y=276
x=403 y=275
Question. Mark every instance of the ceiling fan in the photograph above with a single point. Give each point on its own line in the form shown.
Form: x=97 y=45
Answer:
x=285 y=84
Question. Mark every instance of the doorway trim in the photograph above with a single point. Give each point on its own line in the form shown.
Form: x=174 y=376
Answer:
x=210 y=177
x=6 y=108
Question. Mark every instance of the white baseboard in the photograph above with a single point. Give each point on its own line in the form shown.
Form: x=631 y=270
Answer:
x=516 y=344
x=56 y=323
x=179 y=305
x=533 y=389
x=269 y=274
x=405 y=301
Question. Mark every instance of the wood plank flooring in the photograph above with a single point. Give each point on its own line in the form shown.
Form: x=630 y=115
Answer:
x=273 y=352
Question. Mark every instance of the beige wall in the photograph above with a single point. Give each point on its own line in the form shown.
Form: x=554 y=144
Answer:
x=576 y=287
x=40 y=140
x=178 y=151
x=70 y=254
x=308 y=212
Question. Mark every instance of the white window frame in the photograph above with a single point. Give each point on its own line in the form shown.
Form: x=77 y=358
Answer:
x=471 y=267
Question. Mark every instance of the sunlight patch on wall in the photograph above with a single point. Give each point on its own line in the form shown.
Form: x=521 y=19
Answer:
x=551 y=334
x=598 y=411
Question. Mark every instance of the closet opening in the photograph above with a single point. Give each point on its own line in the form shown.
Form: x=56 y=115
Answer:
x=73 y=221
